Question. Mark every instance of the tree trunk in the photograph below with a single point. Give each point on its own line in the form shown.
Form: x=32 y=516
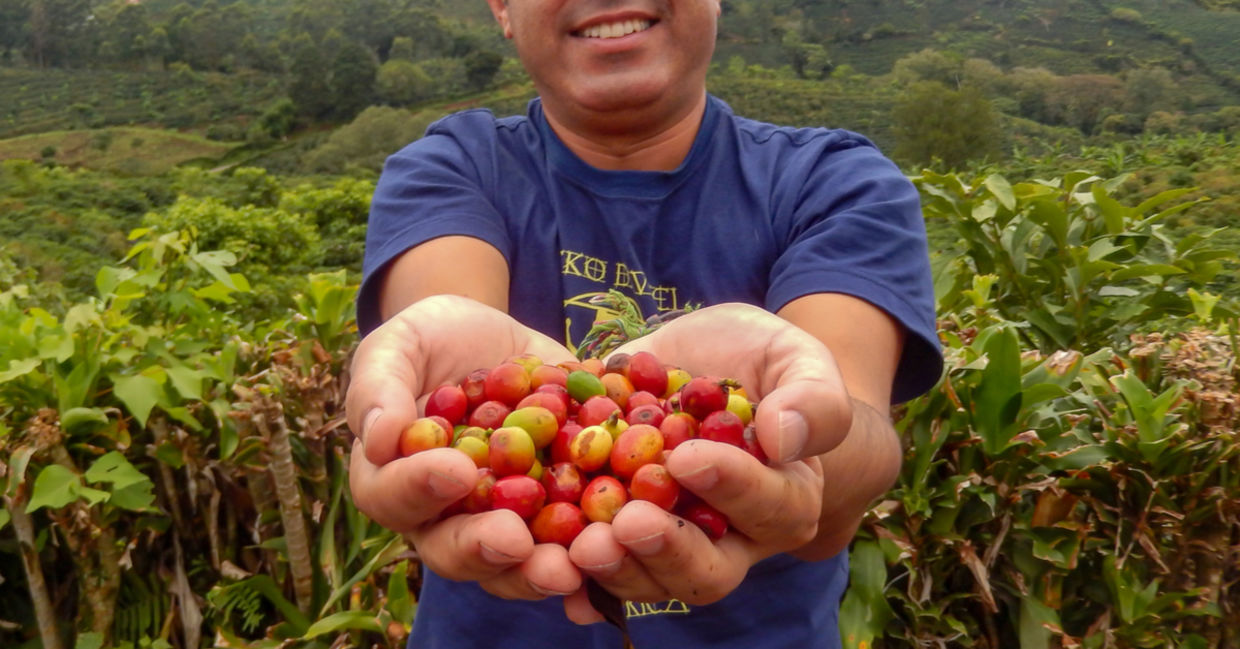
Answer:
x=284 y=473
x=44 y=613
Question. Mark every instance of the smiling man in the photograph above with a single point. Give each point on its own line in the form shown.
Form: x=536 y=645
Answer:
x=804 y=248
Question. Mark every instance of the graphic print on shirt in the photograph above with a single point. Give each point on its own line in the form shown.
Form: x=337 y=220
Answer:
x=594 y=306
x=589 y=307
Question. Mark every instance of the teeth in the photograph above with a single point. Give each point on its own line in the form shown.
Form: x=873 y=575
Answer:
x=616 y=30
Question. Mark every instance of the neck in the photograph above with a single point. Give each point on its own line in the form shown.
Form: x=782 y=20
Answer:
x=660 y=149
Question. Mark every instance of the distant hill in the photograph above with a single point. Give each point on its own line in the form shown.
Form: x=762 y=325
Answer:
x=1064 y=36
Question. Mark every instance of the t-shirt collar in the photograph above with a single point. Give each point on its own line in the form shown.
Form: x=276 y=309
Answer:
x=616 y=184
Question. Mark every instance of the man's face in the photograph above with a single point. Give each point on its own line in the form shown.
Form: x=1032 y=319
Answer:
x=600 y=56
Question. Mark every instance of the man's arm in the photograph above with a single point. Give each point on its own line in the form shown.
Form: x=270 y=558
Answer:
x=866 y=344
x=454 y=265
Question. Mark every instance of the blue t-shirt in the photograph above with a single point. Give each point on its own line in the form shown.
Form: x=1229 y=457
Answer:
x=756 y=213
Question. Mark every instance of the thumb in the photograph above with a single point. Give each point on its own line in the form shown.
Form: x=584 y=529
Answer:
x=383 y=388
x=804 y=417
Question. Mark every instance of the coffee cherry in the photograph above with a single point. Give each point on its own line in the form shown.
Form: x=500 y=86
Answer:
x=647 y=373
x=713 y=523
x=702 y=396
x=508 y=383
x=590 y=449
x=637 y=446
x=723 y=426
x=519 y=493
x=677 y=428
x=564 y=482
x=603 y=497
x=424 y=434
x=582 y=385
x=449 y=402
x=558 y=522
x=511 y=451
x=653 y=483
x=539 y=422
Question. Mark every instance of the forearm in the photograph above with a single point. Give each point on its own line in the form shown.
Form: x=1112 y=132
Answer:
x=862 y=468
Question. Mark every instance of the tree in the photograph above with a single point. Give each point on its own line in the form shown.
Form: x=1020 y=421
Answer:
x=1031 y=87
x=481 y=66
x=401 y=83
x=1147 y=90
x=352 y=79
x=936 y=123
x=1084 y=100
x=14 y=15
x=308 y=87
x=927 y=65
x=59 y=30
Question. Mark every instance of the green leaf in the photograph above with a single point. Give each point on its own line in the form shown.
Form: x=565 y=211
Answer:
x=1002 y=190
x=18 y=460
x=170 y=454
x=401 y=602
x=19 y=367
x=1034 y=619
x=78 y=417
x=186 y=380
x=92 y=640
x=864 y=613
x=4 y=518
x=214 y=262
x=139 y=393
x=997 y=400
x=1203 y=304
x=342 y=621
x=57 y=486
x=115 y=469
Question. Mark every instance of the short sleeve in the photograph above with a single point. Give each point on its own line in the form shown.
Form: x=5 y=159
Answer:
x=858 y=229
x=429 y=189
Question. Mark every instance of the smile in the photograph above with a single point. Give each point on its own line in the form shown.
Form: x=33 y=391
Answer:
x=616 y=29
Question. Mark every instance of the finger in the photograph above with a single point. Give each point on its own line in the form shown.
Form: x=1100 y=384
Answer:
x=475 y=547
x=546 y=573
x=600 y=556
x=404 y=494
x=578 y=608
x=805 y=409
x=683 y=562
x=431 y=342
x=385 y=380
x=777 y=507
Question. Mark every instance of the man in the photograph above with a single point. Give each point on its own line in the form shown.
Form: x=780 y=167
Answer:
x=488 y=236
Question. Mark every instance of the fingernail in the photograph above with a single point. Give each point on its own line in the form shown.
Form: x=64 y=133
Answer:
x=603 y=570
x=445 y=486
x=646 y=546
x=700 y=479
x=793 y=435
x=547 y=592
x=369 y=421
x=496 y=557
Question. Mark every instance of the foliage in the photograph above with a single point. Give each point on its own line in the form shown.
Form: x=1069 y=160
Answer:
x=368 y=140
x=1062 y=491
x=152 y=431
x=937 y=126
x=1081 y=268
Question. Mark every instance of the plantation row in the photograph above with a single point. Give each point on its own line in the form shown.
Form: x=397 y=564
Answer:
x=39 y=100
x=174 y=448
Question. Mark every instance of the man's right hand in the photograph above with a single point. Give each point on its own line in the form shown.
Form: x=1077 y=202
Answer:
x=435 y=341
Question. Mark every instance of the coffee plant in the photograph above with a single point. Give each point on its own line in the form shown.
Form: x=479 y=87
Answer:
x=172 y=458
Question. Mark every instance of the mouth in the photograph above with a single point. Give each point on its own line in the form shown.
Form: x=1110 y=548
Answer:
x=616 y=29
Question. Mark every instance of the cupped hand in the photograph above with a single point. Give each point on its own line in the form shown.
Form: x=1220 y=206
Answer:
x=436 y=341
x=648 y=554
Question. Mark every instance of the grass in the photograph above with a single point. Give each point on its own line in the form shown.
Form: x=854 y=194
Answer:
x=128 y=150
